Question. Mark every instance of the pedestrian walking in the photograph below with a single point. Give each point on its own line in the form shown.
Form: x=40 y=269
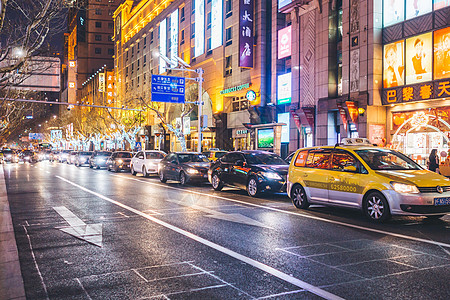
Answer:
x=433 y=161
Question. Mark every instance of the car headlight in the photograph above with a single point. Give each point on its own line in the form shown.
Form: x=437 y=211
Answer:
x=404 y=188
x=271 y=175
x=192 y=171
x=119 y=161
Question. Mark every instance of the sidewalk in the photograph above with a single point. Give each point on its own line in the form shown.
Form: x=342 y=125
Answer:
x=11 y=282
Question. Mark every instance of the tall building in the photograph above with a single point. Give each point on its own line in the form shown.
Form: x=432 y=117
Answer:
x=363 y=68
x=89 y=42
x=230 y=40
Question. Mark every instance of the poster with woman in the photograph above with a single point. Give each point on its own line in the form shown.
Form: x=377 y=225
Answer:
x=418 y=58
x=393 y=12
x=394 y=67
x=442 y=53
x=415 y=8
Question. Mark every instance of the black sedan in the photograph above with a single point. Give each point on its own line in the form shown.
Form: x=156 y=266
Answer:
x=255 y=171
x=184 y=167
x=98 y=159
x=82 y=158
x=118 y=161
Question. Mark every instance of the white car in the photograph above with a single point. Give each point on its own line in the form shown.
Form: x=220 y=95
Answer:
x=146 y=162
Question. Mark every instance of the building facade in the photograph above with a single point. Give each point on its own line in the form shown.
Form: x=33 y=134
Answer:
x=230 y=40
x=89 y=43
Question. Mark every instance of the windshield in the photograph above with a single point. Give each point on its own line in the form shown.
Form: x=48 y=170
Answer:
x=154 y=155
x=384 y=159
x=264 y=159
x=104 y=153
x=186 y=158
x=7 y=151
x=85 y=153
x=220 y=154
x=123 y=155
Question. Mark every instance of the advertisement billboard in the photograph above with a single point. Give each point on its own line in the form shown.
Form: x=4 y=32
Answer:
x=394 y=66
x=441 y=4
x=419 y=58
x=265 y=138
x=415 y=8
x=162 y=44
x=174 y=36
x=284 y=42
x=284 y=118
x=199 y=46
x=393 y=12
x=246 y=42
x=216 y=23
x=101 y=82
x=442 y=53
x=284 y=88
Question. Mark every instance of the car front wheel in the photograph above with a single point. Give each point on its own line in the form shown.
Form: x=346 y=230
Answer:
x=162 y=178
x=298 y=197
x=183 y=178
x=133 y=172
x=217 y=184
x=144 y=171
x=376 y=207
x=252 y=187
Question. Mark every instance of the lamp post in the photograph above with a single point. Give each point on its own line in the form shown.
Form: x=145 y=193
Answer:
x=184 y=66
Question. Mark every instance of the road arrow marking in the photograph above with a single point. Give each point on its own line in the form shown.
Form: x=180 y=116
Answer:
x=234 y=217
x=91 y=233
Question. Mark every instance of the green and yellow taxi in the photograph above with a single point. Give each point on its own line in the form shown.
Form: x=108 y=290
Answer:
x=379 y=181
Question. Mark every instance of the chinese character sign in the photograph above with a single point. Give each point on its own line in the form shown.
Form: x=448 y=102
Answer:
x=246 y=19
x=110 y=87
x=216 y=23
x=284 y=42
x=199 y=46
x=101 y=82
x=162 y=44
x=174 y=36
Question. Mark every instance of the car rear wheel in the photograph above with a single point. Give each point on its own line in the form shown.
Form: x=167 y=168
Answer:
x=252 y=187
x=133 y=172
x=298 y=197
x=217 y=184
x=183 y=178
x=376 y=207
x=91 y=166
x=144 y=171
x=162 y=178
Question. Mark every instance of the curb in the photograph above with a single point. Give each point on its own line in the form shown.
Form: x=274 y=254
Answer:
x=11 y=281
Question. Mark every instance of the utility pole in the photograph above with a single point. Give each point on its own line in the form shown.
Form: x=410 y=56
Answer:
x=200 y=108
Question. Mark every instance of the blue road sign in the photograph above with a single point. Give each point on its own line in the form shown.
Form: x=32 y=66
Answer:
x=36 y=136
x=168 y=89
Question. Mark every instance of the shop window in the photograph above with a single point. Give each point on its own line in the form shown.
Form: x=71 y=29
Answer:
x=239 y=103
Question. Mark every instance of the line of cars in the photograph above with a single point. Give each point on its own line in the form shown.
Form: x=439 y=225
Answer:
x=26 y=155
x=354 y=174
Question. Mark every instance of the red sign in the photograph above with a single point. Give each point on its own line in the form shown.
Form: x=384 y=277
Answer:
x=352 y=111
x=343 y=114
x=284 y=42
x=309 y=114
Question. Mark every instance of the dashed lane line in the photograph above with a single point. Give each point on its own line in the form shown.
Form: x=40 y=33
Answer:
x=263 y=267
x=398 y=235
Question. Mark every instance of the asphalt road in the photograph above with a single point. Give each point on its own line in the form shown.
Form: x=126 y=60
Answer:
x=149 y=240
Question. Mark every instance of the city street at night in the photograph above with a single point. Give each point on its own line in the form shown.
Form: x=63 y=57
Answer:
x=92 y=234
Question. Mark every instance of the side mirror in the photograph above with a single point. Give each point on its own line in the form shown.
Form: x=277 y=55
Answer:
x=240 y=163
x=349 y=169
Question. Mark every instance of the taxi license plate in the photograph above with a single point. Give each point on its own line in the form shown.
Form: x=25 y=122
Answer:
x=442 y=201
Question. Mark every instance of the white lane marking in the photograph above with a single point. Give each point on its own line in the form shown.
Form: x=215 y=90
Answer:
x=263 y=267
x=35 y=263
x=398 y=235
x=82 y=287
x=91 y=233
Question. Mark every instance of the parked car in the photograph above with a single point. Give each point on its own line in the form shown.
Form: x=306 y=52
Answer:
x=98 y=159
x=118 y=161
x=184 y=167
x=380 y=182
x=82 y=158
x=71 y=157
x=63 y=155
x=253 y=170
x=213 y=155
x=10 y=156
x=146 y=162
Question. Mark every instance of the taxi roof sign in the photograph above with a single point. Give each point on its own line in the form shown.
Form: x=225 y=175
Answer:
x=356 y=142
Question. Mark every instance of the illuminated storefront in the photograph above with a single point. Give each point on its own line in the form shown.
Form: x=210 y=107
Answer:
x=416 y=78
